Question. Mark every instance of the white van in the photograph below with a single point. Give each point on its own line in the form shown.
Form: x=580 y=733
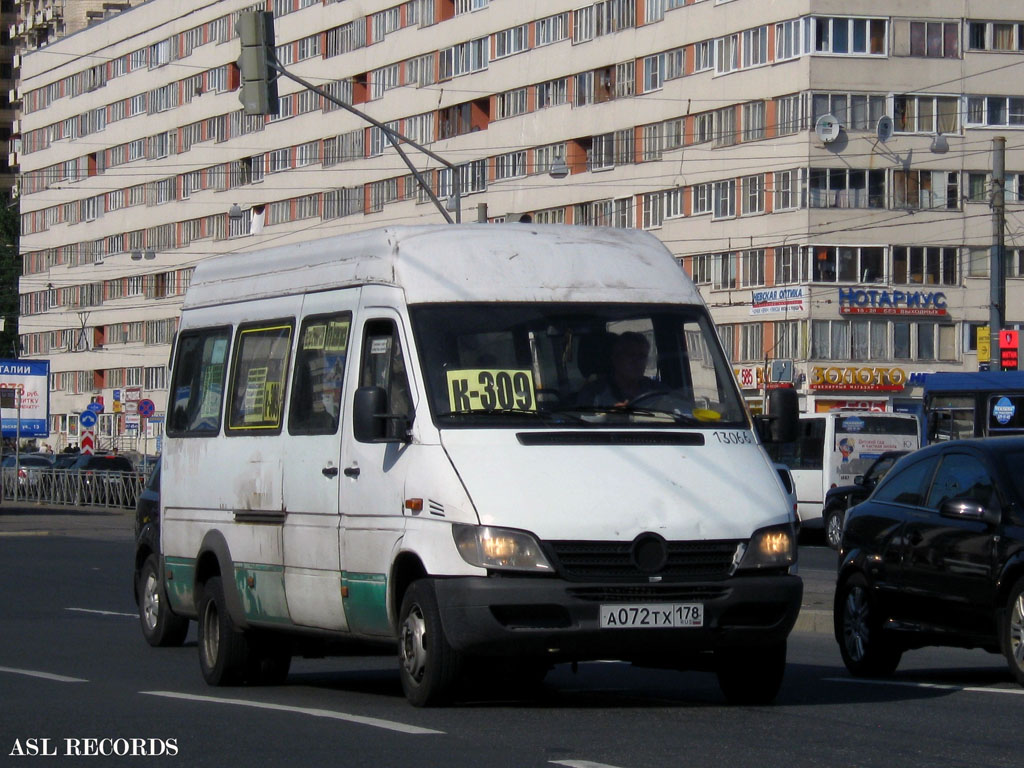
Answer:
x=834 y=447
x=382 y=437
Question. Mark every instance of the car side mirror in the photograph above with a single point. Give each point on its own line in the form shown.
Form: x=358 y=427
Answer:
x=967 y=509
x=371 y=421
x=858 y=480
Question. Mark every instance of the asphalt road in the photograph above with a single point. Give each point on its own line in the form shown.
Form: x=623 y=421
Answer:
x=74 y=668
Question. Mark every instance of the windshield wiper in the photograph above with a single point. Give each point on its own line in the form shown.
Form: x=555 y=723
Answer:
x=554 y=415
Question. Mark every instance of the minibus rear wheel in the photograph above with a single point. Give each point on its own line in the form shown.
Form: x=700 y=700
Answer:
x=223 y=649
x=428 y=665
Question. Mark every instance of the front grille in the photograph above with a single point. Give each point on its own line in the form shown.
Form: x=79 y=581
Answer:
x=613 y=560
x=654 y=593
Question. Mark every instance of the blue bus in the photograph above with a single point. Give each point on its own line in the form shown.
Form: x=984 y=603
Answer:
x=982 y=404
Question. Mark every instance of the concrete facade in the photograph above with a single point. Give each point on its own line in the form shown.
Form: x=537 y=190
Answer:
x=862 y=261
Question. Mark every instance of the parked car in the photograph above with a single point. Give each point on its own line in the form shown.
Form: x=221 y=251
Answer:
x=160 y=627
x=841 y=498
x=65 y=460
x=935 y=556
x=104 y=479
x=31 y=468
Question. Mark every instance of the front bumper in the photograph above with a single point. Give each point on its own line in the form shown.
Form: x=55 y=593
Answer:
x=560 y=620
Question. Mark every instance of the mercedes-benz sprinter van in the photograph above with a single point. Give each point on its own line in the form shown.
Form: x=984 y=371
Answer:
x=505 y=445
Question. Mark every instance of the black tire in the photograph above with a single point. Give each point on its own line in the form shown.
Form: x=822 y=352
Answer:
x=160 y=627
x=429 y=667
x=1011 y=631
x=269 y=661
x=751 y=676
x=866 y=649
x=833 y=525
x=223 y=649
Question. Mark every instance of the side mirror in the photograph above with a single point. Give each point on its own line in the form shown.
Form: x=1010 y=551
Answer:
x=967 y=509
x=858 y=480
x=370 y=419
x=782 y=424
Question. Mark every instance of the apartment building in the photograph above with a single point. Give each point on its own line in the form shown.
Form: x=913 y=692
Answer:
x=855 y=252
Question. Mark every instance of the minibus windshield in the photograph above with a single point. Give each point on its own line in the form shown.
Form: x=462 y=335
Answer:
x=542 y=364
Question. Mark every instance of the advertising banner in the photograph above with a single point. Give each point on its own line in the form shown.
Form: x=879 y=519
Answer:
x=31 y=380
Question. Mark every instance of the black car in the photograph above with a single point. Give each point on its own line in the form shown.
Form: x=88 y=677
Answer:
x=935 y=556
x=160 y=627
x=841 y=498
x=105 y=479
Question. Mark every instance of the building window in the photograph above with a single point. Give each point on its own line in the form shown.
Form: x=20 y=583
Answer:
x=846 y=188
x=752 y=268
x=510 y=41
x=725 y=127
x=552 y=93
x=854 y=111
x=995 y=36
x=846 y=264
x=924 y=266
x=753 y=121
x=701 y=202
x=725 y=271
x=510 y=166
x=849 y=36
x=751 y=341
x=926 y=190
x=511 y=103
x=551 y=29
x=701 y=268
x=927 y=114
x=789 y=114
x=727 y=54
x=935 y=39
x=653 y=211
x=995 y=111
x=788 y=265
x=790 y=39
x=755 y=47
x=752 y=194
x=725 y=199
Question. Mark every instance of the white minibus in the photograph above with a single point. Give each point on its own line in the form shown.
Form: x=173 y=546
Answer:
x=506 y=446
x=834 y=447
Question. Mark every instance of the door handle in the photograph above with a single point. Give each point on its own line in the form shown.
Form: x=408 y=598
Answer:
x=351 y=471
x=329 y=471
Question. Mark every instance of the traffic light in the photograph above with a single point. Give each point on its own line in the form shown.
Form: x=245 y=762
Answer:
x=258 y=91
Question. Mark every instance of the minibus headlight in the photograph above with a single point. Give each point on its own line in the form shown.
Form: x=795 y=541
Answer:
x=773 y=547
x=499 y=548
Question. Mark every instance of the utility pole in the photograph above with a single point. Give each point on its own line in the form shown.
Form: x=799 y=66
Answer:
x=997 y=261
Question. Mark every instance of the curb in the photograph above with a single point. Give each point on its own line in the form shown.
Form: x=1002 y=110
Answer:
x=814 y=621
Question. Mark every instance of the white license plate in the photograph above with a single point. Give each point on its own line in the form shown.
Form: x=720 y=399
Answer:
x=652 y=616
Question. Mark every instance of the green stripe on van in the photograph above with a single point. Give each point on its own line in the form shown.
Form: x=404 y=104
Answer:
x=180 y=575
x=264 y=600
x=366 y=605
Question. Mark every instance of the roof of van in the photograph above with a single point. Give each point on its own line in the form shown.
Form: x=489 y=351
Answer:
x=474 y=262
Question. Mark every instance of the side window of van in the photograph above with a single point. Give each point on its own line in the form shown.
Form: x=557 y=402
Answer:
x=197 y=388
x=383 y=365
x=812 y=443
x=258 y=373
x=319 y=374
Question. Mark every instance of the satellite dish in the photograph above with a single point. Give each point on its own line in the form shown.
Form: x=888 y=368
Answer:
x=827 y=128
x=883 y=129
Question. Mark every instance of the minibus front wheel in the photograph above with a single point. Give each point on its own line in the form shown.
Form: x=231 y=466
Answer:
x=428 y=665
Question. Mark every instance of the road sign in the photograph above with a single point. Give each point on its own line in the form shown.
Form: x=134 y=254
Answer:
x=95 y=407
x=984 y=344
x=87 y=419
x=1008 y=346
x=146 y=408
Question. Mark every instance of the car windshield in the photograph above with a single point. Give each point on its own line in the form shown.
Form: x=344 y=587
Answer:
x=575 y=364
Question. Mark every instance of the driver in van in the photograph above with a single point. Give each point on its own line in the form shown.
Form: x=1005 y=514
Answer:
x=626 y=380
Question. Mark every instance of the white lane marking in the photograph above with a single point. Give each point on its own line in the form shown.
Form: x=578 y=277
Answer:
x=934 y=686
x=103 y=613
x=44 y=675
x=371 y=721
x=580 y=764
